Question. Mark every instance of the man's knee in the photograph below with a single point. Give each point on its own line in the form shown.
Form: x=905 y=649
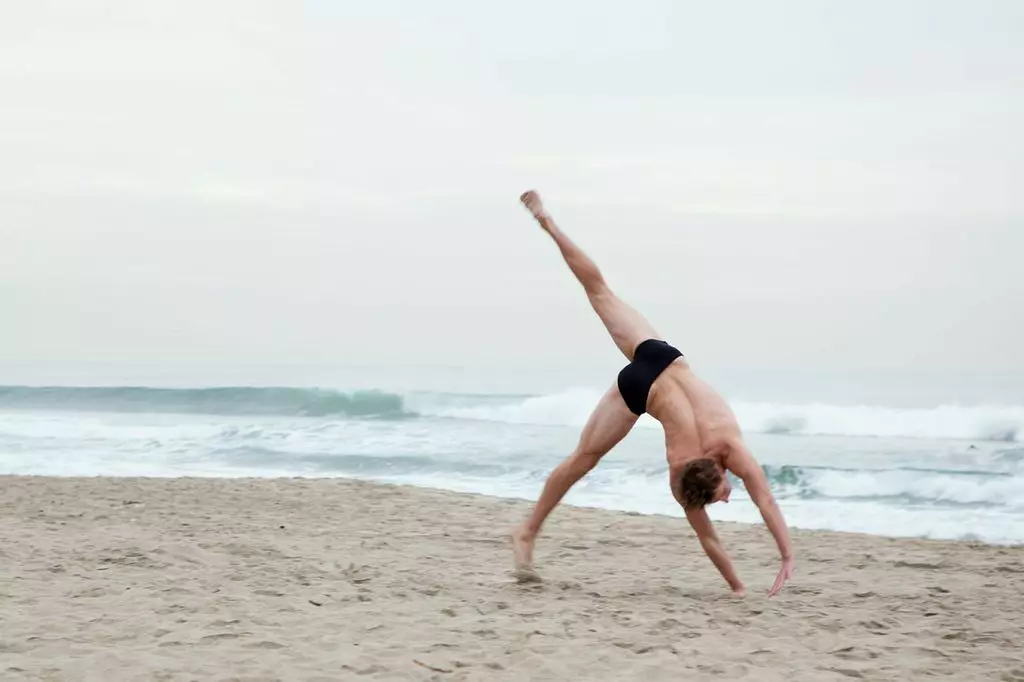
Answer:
x=583 y=461
x=598 y=291
x=606 y=304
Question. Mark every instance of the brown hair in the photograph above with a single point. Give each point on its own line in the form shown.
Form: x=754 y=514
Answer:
x=700 y=481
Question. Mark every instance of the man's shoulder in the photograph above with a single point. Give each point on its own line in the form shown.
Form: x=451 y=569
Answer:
x=720 y=446
x=737 y=457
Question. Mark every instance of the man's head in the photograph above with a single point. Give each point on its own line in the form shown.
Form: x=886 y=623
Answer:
x=703 y=483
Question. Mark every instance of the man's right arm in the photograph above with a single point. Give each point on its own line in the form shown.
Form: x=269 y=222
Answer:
x=711 y=545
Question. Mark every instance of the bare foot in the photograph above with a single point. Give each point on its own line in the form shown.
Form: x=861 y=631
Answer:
x=522 y=548
x=533 y=203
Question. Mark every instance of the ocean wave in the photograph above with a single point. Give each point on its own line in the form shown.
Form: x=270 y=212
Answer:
x=572 y=407
x=304 y=402
x=909 y=486
x=986 y=422
x=567 y=408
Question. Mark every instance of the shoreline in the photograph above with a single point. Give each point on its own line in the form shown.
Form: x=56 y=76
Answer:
x=332 y=578
x=976 y=542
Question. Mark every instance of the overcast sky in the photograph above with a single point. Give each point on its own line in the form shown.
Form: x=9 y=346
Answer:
x=830 y=185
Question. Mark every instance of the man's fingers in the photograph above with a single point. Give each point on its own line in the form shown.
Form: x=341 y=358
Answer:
x=780 y=580
x=785 y=573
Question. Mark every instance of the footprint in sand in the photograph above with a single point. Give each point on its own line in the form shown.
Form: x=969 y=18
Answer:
x=526 y=575
x=220 y=636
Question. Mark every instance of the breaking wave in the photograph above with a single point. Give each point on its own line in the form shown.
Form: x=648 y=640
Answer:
x=571 y=408
x=305 y=402
x=1003 y=423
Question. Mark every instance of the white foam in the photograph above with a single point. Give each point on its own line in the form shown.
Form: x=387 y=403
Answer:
x=946 y=421
x=925 y=486
x=566 y=408
x=573 y=407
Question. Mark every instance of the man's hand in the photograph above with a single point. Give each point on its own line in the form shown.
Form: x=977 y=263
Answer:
x=533 y=203
x=785 y=573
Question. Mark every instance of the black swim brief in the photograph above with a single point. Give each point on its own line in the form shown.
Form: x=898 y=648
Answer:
x=635 y=380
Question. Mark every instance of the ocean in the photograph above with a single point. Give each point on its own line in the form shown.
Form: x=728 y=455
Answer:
x=949 y=470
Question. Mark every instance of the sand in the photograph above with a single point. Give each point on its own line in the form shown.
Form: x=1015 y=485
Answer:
x=213 y=579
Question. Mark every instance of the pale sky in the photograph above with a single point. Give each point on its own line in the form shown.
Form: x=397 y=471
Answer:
x=801 y=184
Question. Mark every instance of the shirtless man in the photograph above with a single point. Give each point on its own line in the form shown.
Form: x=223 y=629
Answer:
x=702 y=438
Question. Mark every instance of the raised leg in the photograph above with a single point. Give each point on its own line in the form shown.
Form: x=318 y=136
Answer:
x=628 y=328
x=607 y=425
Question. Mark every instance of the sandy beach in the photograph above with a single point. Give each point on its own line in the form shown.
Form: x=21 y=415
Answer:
x=217 y=579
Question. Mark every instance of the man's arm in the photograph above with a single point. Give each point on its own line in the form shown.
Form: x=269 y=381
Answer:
x=711 y=545
x=743 y=464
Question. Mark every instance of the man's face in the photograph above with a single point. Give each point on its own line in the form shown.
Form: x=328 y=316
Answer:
x=724 y=490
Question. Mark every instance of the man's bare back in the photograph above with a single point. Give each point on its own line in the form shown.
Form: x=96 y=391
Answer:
x=702 y=437
x=678 y=398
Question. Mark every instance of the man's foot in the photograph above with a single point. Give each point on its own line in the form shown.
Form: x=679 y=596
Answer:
x=522 y=548
x=533 y=203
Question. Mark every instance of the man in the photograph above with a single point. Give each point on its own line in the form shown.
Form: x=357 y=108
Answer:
x=702 y=437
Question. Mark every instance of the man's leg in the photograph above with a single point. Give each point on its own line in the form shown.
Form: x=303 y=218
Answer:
x=628 y=328
x=608 y=424
x=611 y=419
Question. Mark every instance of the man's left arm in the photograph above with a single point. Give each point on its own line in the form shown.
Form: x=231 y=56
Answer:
x=743 y=464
